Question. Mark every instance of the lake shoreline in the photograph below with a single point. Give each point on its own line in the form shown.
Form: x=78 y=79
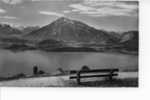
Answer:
x=55 y=51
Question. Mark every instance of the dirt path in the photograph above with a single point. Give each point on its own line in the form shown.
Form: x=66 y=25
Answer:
x=55 y=81
x=37 y=82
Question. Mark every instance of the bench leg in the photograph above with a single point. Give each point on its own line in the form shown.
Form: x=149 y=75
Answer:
x=78 y=78
x=111 y=76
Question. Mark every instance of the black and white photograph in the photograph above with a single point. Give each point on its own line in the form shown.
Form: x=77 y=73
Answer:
x=69 y=43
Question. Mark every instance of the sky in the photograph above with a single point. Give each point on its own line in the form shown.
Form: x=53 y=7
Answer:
x=107 y=15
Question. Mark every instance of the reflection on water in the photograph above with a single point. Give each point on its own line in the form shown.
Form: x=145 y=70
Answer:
x=12 y=63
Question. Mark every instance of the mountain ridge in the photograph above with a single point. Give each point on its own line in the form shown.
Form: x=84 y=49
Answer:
x=65 y=29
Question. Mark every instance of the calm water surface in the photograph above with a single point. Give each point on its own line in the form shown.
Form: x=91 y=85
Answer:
x=22 y=62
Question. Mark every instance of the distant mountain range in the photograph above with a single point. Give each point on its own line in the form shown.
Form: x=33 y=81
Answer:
x=29 y=29
x=66 y=33
x=7 y=30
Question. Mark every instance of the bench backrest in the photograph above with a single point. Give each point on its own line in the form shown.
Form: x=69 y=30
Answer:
x=110 y=72
x=94 y=71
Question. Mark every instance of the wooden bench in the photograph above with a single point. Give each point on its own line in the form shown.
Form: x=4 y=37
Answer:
x=78 y=74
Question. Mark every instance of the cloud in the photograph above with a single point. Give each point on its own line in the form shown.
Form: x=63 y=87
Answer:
x=12 y=2
x=105 y=8
x=51 y=13
x=66 y=11
x=8 y=17
x=50 y=0
x=2 y=10
x=80 y=7
x=40 y=0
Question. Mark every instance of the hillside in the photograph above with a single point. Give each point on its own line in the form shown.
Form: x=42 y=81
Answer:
x=130 y=40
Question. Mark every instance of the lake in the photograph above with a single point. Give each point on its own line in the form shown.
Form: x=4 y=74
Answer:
x=12 y=63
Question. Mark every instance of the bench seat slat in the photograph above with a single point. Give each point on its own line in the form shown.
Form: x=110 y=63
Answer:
x=89 y=76
x=95 y=71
